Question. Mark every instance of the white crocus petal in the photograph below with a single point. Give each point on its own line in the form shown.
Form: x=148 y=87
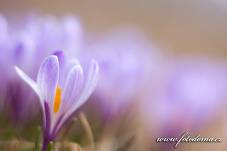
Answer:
x=73 y=62
x=28 y=80
x=47 y=78
x=90 y=84
x=70 y=64
x=31 y=83
x=62 y=67
x=72 y=86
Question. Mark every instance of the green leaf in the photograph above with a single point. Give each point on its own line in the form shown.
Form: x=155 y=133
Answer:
x=37 y=139
x=50 y=146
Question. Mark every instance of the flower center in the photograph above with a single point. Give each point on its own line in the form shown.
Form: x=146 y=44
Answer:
x=57 y=99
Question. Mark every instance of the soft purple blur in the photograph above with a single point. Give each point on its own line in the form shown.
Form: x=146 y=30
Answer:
x=188 y=96
x=127 y=61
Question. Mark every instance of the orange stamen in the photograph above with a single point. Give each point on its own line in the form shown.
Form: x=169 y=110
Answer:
x=57 y=99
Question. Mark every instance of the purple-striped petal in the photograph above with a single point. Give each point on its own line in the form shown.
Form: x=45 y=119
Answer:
x=47 y=78
x=73 y=85
x=91 y=81
x=62 y=67
x=89 y=86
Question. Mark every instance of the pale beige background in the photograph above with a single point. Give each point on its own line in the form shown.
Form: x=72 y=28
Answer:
x=180 y=26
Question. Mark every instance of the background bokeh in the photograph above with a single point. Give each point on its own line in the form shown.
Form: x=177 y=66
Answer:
x=180 y=38
x=182 y=26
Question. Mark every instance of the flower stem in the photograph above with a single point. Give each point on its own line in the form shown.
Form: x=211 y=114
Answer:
x=37 y=140
x=87 y=128
x=45 y=144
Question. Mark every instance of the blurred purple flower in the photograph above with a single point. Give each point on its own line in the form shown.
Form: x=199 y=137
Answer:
x=189 y=95
x=62 y=88
x=125 y=59
x=25 y=43
x=198 y=86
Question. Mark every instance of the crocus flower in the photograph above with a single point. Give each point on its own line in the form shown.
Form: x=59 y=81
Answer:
x=62 y=87
x=25 y=43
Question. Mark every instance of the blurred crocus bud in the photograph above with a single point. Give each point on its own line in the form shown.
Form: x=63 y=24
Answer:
x=51 y=34
x=126 y=59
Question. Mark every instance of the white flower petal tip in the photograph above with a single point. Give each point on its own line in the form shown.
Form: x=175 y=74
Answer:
x=27 y=79
x=48 y=77
x=95 y=66
x=75 y=62
x=77 y=69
